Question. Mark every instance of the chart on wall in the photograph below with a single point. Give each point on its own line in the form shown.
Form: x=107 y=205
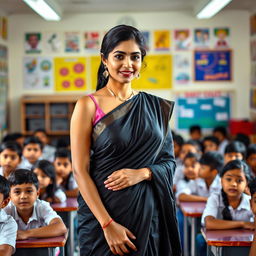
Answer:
x=70 y=74
x=213 y=65
x=94 y=63
x=207 y=109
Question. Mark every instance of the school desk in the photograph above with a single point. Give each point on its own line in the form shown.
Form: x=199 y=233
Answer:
x=67 y=210
x=235 y=242
x=192 y=212
x=40 y=246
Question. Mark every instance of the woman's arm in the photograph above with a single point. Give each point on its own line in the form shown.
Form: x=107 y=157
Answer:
x=191 y=198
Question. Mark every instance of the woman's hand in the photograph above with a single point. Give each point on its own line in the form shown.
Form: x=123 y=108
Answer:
x=124 y=178
x=118 y=239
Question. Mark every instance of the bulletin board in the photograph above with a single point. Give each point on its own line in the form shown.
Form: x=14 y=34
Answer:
x=95 y=63
x=213 y=65
x=207 y=109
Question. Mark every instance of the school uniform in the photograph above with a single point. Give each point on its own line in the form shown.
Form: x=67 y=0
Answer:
x=215 y=206
x=48 y=153
x=59 y=193
x=8 y=229
x=178 y=174
x=1 y=171
x=25 y=164
x=70 y=183
x=42 y=215
x=222 y=146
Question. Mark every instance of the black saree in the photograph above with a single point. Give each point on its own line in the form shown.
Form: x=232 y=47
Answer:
x=134 y=135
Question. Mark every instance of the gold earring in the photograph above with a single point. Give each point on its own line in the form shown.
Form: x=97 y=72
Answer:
x=105 y=73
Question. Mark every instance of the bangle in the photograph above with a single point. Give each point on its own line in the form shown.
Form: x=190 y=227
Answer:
x=107 y=224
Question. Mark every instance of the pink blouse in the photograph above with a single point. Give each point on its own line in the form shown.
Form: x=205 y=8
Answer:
x=99 y=113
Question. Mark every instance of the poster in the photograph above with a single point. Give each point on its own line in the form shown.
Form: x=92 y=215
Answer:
x=70 y=74
x=221 y=38
x=72 y=42
x=162 y=41
x=253 y=49
x=182 y=68
x=253 y=73
x=207 y=109
x=213 y=65
x=201 y=38
x=146 y=35
x=182 y=39
x=33 y=43
x=3 y=27
x=52 y=42
x=38 y=73
x=92 y=40
x=157 y=74
x=94 y=63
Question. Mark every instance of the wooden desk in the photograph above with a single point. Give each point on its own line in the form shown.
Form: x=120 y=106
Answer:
x=192 y=211
x=69 y=209
x=40 y=246
x=228 y=242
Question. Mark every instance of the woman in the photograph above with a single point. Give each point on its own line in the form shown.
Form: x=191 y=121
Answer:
x=123 y=161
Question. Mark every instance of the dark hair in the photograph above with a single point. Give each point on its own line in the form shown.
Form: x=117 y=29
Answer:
x=40 y=130
x=13 y=146
x=213 y=159
x=194 y=143
x=194 y=128
x=23 y=176
x=178 y=139
x=192 y=155
x=48 y=168
x=63 y=152
x=4 y=187
x=212 y=139
x=237 y=147
x=232 y=165
x=63 y=142
x=12 y=136
x=251 y=150
x=221 y=129
x=243 y=138
x=33 y=140
x=112 y=38
x=252 y=186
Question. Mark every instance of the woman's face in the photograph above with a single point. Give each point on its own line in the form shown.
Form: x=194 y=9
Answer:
x=124 y=62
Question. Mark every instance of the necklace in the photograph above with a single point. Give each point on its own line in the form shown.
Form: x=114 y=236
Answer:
x=118 y=97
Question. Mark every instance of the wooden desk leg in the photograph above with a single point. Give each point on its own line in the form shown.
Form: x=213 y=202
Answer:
x=193 y=236
x=72 y=237
x=185 y=227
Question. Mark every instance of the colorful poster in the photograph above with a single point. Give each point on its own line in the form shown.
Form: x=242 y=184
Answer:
x=3 y=28
x=201 y=38
x=52 y=42
x=182 y=39
x=72 y=42
x=157 y=74
x=182 y=68
x=162 y=41
x=207 y=109
x=94 y=63
x=38 y=73
x=70 y=74
x=33 y=43
x=221 y=38
x=253 y=98
x=146 y=35
x=213 y=65
x=92 y=40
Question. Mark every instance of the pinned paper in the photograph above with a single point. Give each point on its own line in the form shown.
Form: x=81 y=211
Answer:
x=188 y=113
x=206 y=107
x=219 y=102
x=222 y=116
x=192 y=101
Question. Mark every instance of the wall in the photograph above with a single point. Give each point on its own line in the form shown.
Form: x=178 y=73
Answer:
x=238 y=21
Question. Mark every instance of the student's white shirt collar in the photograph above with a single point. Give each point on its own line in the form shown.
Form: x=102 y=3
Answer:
x=1 y=171
x=244 y=204
x=215 y=184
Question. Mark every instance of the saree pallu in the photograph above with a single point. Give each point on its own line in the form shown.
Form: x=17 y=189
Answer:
x=134 y=135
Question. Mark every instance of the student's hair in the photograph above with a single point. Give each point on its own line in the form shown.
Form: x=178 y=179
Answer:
x=192 y=155
x=232 y=165
x=33 y=140
x=213 y=159
x=23 y=176
x=221 y=129
x=194 y=128
x=63 y=142
x=178 y=139
x=251 y=150
x=243 y=138
x=114 y=37
x=40 y=130
x=11 y=145
x=252 y=186
x=12 y=136
x=194 y=143
x=4 y=187
x=237 y=147
x=212 y=139
x=63 y=152
x=48 y=169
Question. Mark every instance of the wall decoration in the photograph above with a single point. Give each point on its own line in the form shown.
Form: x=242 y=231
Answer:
x=72 y=41
x=70 y=74
x=92 y=40
x=162 y=40
x=182 y=68
x=52 y=42
x=253 y=73
x=38 y=73
x=253 y=24
x=94 y=63
x=33 y=43
x=212 y=65
x=201 y=38
x=3 y=88
x=146 y=35
x=3 y=27
x=253 y=49
x=182 y=39
x=207 y=109
x=221 y=38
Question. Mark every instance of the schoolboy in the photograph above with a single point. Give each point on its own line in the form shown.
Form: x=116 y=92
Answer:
x=178 y=141
x=63 y=167
x=16 y=136
x=234 y=150
x=10 y=157
x=35 y=218
x=32 y=152
x=210 y=143
x=8 y=226
x=195 y=132
x=221 y=133
x=251 y=158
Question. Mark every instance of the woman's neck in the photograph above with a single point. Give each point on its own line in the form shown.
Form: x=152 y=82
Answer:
x=121 y=90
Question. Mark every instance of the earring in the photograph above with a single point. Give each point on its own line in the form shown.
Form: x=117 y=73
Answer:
x=138 y=76
x=105 y=73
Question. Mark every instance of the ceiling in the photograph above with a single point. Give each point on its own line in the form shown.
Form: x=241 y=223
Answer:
x=10 y=7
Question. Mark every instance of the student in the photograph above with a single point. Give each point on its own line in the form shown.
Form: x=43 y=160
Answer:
x=16 y=136
x=220 y=132
x=10 y=157
x=32 y=152
x=35 y=218
x=234 y=150
x=251 y=158
x=48 y=150
x=178 y=141
x=210 y=143
x=46 y=175
x=195 y=132
x=245 y=139
x=199 y=189
x=63 y=167
x=8 y=226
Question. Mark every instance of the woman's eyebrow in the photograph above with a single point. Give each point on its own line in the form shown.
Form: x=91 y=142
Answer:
x=126 y=53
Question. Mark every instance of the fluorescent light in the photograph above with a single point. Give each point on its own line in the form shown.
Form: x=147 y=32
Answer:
x=212 y=8
x=44 y=8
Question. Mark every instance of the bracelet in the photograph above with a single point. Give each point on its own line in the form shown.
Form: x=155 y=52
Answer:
x=107 y=224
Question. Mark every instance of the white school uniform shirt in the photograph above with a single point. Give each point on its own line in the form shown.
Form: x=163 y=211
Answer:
x=25 y=164
x=59 y=193
x=8 y=229
x=222 y=146
x=42 y=215
x=198 y=187
x=1 y=171
x=215 y=206
x=71 y=184
x=178 y=175
x=48 y=153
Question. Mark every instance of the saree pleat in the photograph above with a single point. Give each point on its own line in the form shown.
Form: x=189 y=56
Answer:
x=134 y=135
